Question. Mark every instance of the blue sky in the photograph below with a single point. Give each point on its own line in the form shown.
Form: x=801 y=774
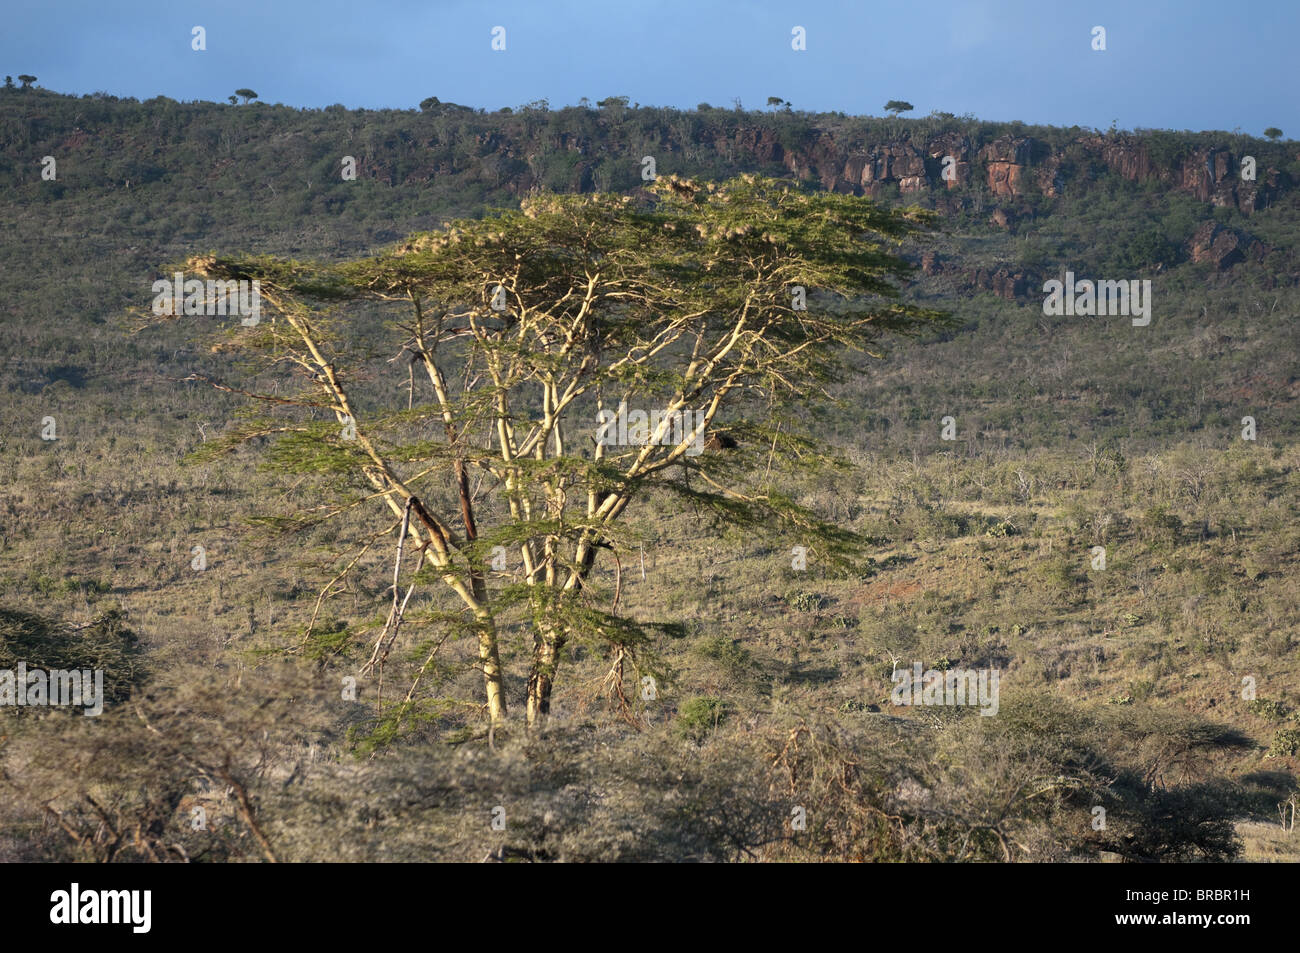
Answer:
x=1176 y=64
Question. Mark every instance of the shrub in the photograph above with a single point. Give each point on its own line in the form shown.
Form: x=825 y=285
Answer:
x=1286 y=744
x=729 y=652
x=1272 y=710
x=105 y=644
x=699 y=716
x=804 y=601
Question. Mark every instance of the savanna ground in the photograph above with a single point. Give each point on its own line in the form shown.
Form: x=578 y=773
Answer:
x=983 y=559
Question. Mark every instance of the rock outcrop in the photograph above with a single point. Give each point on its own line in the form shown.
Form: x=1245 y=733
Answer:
x=1004 y=280
x=952 y=165
x=1011 y=166
x=1211 y=174
x=1006 y=159
x=1224 y=247
x=893 y=162
x=950 y=156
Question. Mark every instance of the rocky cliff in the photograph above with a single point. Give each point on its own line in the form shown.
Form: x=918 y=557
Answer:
x=1013 y=166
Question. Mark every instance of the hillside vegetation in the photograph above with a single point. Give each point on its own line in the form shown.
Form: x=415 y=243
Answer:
x=1164 y=688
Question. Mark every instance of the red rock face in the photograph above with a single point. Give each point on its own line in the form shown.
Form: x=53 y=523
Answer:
x=1008 y=149
x=760 y=143
x=956 y=147
x=1200 y=173
x=1128 y=159
x=1006 y=178
x=1211 y=174
x=951 y=144
x=854 y=168
x=892 y=162
x=1006 y=160
x=1224 y=247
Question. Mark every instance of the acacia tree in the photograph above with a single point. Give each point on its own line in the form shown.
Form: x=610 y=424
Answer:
x=701 y=304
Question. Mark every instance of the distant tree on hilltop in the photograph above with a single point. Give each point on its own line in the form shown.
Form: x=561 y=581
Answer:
x=896 y=106
x=247 y=94
x=1274 y=133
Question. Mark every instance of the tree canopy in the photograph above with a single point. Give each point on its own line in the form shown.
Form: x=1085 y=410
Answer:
x=696 y=308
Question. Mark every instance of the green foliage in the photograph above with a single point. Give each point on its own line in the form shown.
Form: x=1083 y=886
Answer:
x=729 y=652
x=1285 y=744
x=1166 y=149
x=1147 y=250
x=1062 y=576
x=805 y=601
x=1161 y=526
x=1271 y=709
x=699 y=716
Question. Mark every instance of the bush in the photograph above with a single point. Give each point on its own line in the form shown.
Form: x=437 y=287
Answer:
x=804 y=601
x=1272 y=710
x=1286 y=744
x=105 y=644
x=699 y=716
x=729 y=652
x=1161 y=526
